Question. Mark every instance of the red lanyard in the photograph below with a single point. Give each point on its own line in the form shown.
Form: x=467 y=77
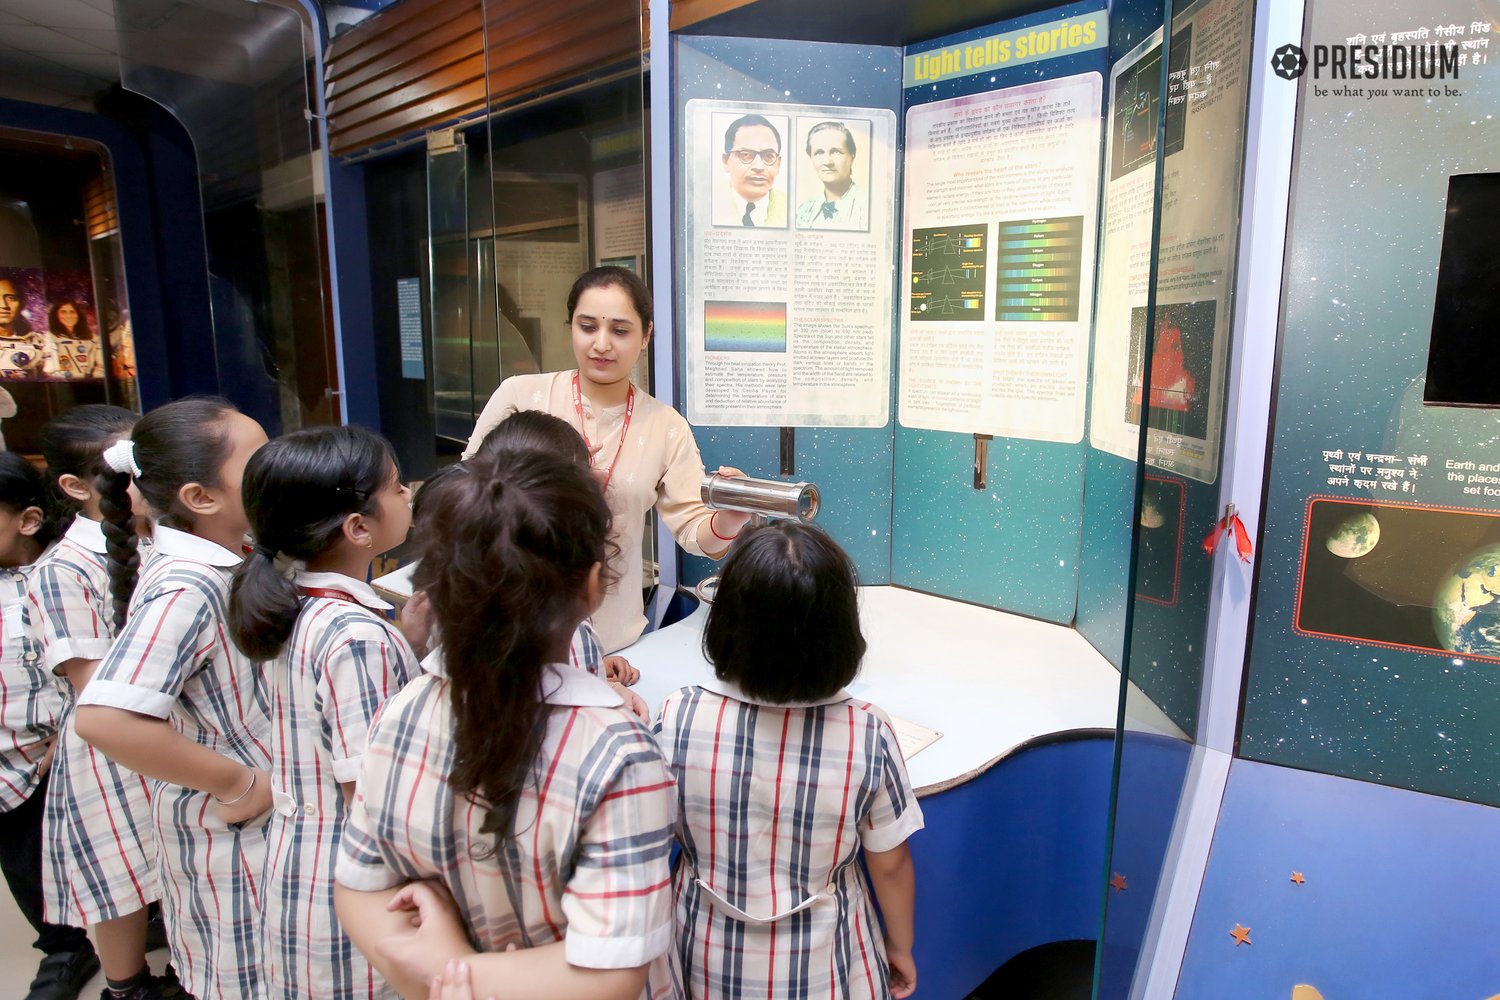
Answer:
x=624 y=428
x=336 y=595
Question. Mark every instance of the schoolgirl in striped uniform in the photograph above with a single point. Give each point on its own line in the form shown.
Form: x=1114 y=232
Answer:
x=332 y=499
x=533 y=431
x=783 y=781
x=32 y=702
x=175 y=701
x=520 y=784
x=101 y=852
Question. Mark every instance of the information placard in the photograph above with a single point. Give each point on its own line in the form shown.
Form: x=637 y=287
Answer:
x=789 y=217
x=1001 y=195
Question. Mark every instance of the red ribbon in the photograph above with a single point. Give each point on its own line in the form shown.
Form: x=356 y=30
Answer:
x=1231 y=525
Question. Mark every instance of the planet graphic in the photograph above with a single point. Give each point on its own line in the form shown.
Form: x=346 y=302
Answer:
x=1151 y=515
x=1466 y=606
x=1354 y=537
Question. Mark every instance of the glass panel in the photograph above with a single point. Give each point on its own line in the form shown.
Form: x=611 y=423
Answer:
x=261 y=184
x=64 y=331
x=566 y=191
x=1189 y=91
x=451 y=296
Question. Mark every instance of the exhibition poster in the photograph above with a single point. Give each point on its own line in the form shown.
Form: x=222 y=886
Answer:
x=789 y=215
x=1001 y=205
x=1205 y=100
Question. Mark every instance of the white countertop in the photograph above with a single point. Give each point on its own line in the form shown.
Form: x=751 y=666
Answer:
x=988 y=681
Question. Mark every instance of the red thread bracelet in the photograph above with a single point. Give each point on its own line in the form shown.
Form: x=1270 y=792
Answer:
x=715 y=531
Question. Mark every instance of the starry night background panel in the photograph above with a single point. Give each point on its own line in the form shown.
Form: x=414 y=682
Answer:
x=1015 y=545
x=1366 y=231
x=851 y=465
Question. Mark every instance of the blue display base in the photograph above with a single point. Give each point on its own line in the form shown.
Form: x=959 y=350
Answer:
x=1401 y=899
x=1010 y=860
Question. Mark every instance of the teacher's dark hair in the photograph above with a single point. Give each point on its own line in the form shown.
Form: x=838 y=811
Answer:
x=73 y=444
x=784 y=624
x=507 y=546
x=618 y=277
x=183 y=442
x=298 y=490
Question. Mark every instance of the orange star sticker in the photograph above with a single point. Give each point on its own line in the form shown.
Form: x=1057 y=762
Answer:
x=1241 y=935
x=1297 y=877
x=1117 y=883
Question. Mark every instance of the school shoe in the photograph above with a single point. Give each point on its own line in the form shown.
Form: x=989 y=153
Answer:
x=151 y=988
x=63 y=975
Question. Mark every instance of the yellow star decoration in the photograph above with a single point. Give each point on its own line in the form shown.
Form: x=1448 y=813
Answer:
x=1297 y=877
x=1241 y=935
x=1117 y=883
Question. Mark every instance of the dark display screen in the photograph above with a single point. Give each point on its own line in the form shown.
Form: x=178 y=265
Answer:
x=1464 y=354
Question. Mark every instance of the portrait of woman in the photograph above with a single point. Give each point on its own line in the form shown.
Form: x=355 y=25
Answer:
x=75 y=351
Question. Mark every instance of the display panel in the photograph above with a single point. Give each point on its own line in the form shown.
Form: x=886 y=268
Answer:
x=1001 y=195
x=1370 y=652
x=789 y=214
x=800 y=85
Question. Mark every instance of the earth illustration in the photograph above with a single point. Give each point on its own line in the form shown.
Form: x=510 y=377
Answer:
x=1151 y=515
x=1356 y=536
x=1466 y=607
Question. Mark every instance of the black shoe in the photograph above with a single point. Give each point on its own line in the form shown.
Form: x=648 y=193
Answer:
x=63 y=975
x=150 y=988
x=156 y=928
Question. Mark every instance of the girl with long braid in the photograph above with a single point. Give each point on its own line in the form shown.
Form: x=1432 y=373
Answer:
x=100 y=862
x=173 y=698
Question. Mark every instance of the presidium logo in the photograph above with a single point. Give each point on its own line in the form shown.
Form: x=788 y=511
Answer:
x=1289 y=62
x=1371 y=62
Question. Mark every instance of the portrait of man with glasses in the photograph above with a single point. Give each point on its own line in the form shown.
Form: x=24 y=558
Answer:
x=749 y=196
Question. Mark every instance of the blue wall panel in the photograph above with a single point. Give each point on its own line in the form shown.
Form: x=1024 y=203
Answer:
x=852 y=467
x=1015 y=545
x=1401 y=898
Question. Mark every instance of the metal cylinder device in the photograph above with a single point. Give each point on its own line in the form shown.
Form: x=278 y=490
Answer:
x=770 y=498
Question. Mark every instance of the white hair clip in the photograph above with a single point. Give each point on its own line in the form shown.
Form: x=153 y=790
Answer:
x=120 y=457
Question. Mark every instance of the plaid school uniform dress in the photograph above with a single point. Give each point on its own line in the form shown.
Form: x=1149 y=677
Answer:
x=31 y=700
x=589 y=862
x=341 y=663
x=775 y=803
x=174 y=660
x=584 y=650
x=100 y=860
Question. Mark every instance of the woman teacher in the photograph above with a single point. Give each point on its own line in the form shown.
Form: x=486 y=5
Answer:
x=642 y=450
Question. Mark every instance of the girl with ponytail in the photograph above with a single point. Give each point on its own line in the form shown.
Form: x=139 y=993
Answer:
x=174 y=700
x=523 y=786
x=331 y=499
x=100 y=866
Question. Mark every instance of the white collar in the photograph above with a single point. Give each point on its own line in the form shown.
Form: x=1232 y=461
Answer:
x=186 y=545
x=561 y=684
x=357 y=589
x=565 y=685
x=729 y=689
x=87 y=533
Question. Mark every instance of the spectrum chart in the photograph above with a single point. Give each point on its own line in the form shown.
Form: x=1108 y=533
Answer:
x=948 y=273
x=1038 y=269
